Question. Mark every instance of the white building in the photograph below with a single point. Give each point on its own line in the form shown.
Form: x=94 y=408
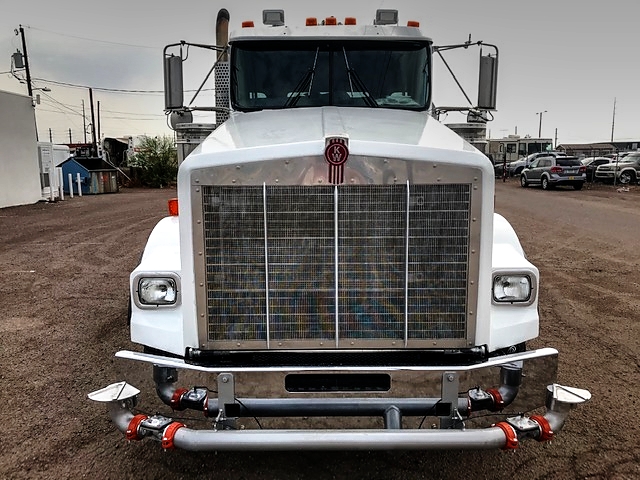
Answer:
x=19 y=170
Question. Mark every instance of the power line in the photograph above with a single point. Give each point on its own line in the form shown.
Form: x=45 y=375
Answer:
x=116 y=90
x=130 y=118
x=61 y=104
x=134 y=113
x=93 y=39
x=111 y=111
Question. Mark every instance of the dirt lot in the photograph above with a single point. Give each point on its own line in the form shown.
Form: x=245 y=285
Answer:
x=64 y=270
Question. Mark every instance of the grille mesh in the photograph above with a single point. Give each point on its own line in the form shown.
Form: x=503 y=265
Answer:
x=402 y=262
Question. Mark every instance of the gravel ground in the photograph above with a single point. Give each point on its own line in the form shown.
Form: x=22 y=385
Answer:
x=64 y=270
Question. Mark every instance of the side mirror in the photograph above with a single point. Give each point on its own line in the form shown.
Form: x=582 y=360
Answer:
x=488 y=81
x=173 y=88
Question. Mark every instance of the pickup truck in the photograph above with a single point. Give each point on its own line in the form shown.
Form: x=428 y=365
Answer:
x=625 y=171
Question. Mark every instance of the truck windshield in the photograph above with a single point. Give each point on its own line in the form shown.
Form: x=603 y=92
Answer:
x=313 y=73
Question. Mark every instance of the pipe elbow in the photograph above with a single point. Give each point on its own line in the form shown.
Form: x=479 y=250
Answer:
x=120 y=415
x=165 y=379
x=510 y=381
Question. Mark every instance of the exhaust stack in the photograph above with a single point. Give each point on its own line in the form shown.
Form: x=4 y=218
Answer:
x=222 y=68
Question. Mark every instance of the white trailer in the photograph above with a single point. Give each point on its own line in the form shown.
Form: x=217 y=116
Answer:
x=19 y=172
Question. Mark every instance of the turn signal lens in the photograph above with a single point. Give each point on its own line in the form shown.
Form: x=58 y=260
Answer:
x=173 y=207
x=247 y=24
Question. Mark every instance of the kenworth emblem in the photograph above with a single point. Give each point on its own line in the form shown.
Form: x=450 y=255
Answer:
x=336 y=152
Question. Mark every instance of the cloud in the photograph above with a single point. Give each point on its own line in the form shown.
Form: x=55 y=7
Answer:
x=97 y=65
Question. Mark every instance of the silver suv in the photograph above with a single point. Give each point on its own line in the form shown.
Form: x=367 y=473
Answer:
x=626 y=170
x=516 y=167
x=551 y=171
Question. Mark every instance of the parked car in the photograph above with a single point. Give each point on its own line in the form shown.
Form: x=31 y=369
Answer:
x=592 y=163
x=554 y=170
x=624 y=171
x=617 y=156
x=499 y=168
x=515 y=168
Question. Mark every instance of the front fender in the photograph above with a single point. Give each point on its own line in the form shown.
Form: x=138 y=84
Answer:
x=159 y=327
x=512 y=323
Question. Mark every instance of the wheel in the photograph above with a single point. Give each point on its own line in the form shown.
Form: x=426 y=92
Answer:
x=626 y=178
x=577 y=186
x=523 y=181
x=545 y=183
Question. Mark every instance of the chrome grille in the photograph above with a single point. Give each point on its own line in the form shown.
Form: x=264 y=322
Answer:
x=327 y=265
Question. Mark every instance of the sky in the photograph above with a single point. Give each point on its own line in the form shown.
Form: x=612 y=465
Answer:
x=563 y=64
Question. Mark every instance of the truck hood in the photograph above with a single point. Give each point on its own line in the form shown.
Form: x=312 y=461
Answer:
x=302 y=125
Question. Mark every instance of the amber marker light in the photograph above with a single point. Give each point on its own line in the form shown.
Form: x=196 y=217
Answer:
x=247 y=24
x=331 y=21
x=173 y=207
x=350 y=21
x=413 y=23
x=311 y=22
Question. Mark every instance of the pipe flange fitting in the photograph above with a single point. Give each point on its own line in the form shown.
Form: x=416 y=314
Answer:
x=511 y=437
x=176 y=397
x=546 y=433
x=133 y=429
x=169 y=434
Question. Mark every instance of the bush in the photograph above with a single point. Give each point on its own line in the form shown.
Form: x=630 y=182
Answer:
x=156 y=162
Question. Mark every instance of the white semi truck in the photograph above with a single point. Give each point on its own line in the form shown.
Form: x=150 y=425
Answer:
x=334 y=254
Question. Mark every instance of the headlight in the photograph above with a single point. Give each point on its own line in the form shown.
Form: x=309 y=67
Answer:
x=511 y=288
x=157 y=291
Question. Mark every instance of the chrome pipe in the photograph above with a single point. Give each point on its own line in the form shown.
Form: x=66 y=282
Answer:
x=296 y=440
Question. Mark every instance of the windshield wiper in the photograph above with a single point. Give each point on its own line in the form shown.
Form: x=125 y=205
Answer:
x=304 y=85
x=354 y=78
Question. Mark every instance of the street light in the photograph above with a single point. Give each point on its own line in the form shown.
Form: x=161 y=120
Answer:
x=540 y=124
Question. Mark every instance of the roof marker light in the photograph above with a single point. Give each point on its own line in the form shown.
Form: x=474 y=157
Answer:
x=311 y=22
x=413 y=23
x=247 y=24
x=350 y=21
x=331 y=21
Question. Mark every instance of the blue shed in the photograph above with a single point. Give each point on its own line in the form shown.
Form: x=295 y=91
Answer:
x=96 y=175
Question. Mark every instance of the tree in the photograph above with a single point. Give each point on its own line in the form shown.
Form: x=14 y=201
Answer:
x=156 y=162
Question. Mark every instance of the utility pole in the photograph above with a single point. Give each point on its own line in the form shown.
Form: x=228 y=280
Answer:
x=26 y=62
x=555 y=141
x=70 y=141
x=50 y=137
x=540 y=124
x=84 y=122
x=613 y=122
x=28 y=73
x=98 y=113
x=94 y=146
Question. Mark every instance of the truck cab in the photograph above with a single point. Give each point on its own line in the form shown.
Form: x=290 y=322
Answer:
x=336 y=254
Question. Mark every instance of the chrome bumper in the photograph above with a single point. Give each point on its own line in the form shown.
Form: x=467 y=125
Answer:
x=522 y=382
